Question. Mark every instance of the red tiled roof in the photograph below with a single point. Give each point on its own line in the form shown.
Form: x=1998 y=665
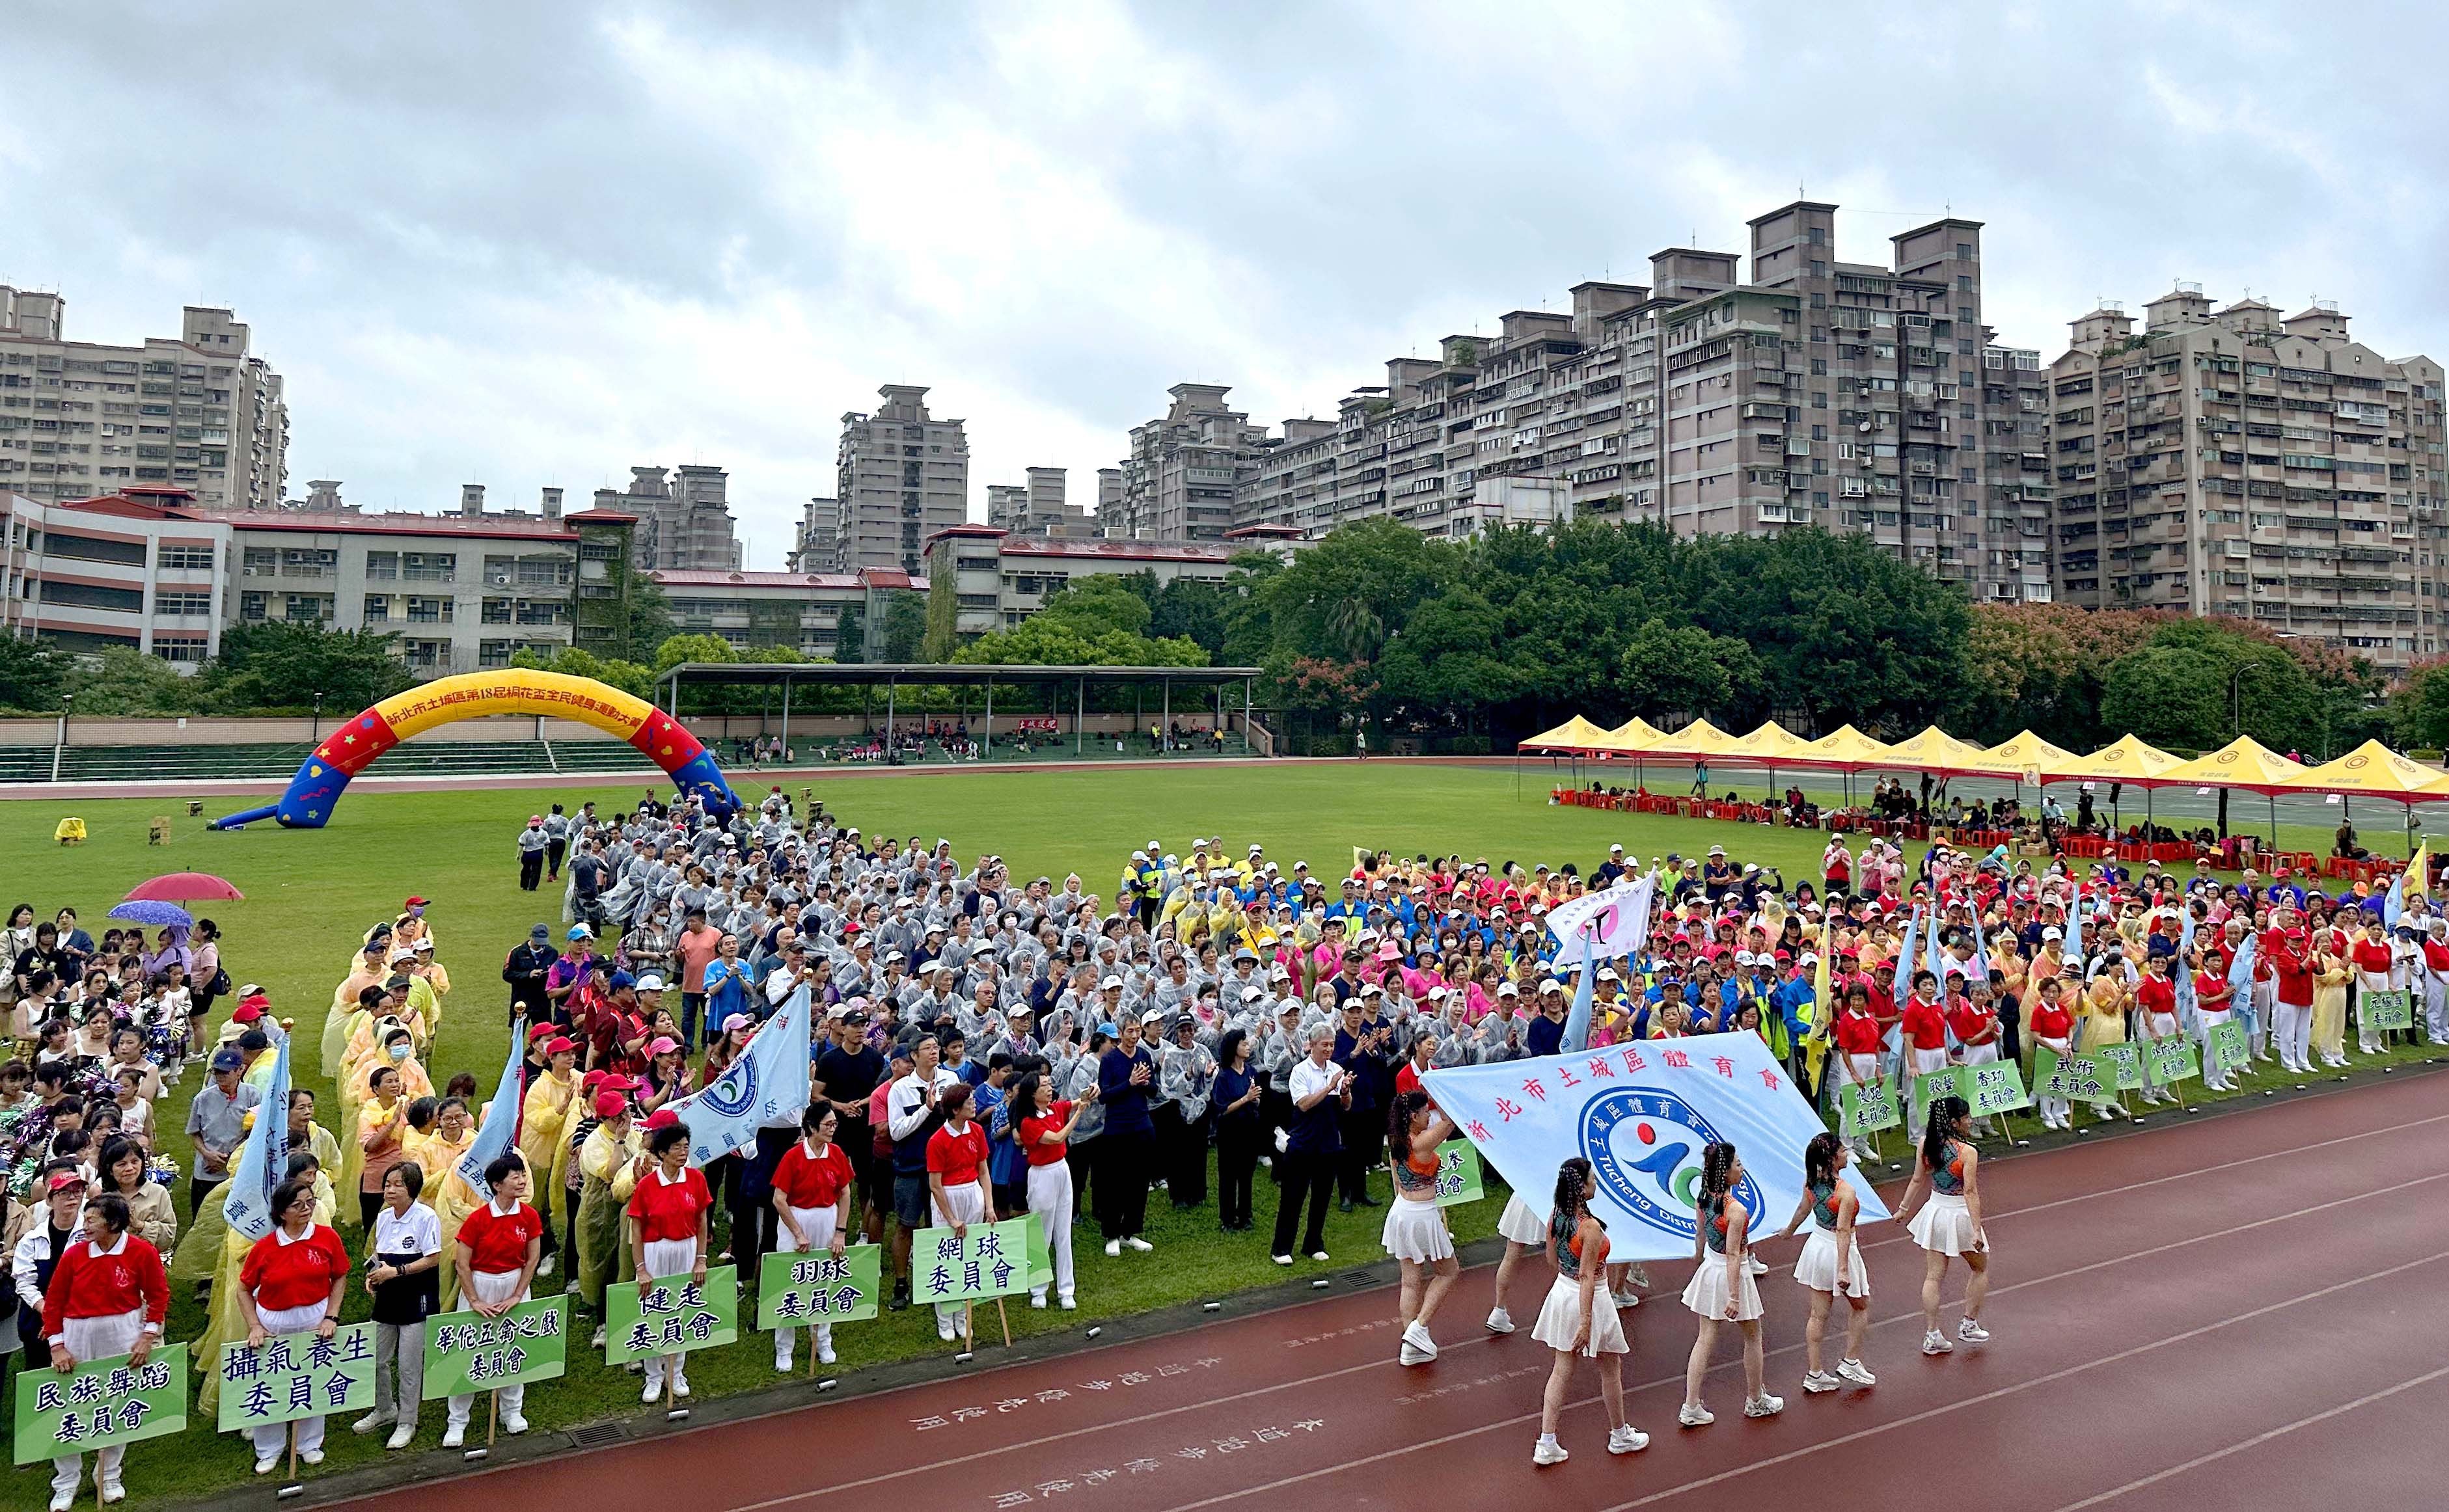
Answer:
x=1123 y=551
x=872 y=577
x=336 y=522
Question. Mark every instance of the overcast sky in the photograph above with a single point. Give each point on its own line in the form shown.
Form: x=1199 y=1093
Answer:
x=532 y=244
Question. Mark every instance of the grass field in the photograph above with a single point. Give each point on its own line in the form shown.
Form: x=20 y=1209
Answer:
x=310 y=895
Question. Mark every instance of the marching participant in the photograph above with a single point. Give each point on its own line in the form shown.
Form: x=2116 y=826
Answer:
x=496 y=1250
x=1524 y=1233
x=1575 y=1319
x=1831 y=1264
x=294 y=1279
x=667 y=1226
x=812 y=1200
x=1415 y=1232
x=1943 y=1212
x=1722 y=1288
x=958 y=1181
x=106 y=1296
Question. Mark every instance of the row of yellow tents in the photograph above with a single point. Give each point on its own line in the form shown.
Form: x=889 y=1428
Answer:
x=2370 y=770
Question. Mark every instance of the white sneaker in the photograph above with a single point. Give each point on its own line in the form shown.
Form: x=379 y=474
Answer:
x=1971 y=1332
x=825 y=1354
x=1755 y=1264
x=371 y=1421
x=599 y=1337
x=1627 y=1440
x=1693 y=1415
x=514 y=1423
x=1037 y=1300
x=1071 y=1304
x=680 y=1387
x=401 y=1437
x=1815 y=1382
x=544 y=1267
x=1545 y=1453
x=782 y=1365
x=944 y=1330
x=1135 y=1242
x=1114 y=1247
x=1637 y=1274
x=654 y=1389
x=62 y=1501
x=456 y=1434
x=1319 y=1256
x=1936 y=1343
x=1499 y=1321
x=1856 y=1371
x=1283 y=1260
x=1418 y=1337
x=310 y=1456
x=1405 y=1354
x=263 y=1462
x=111 y=1493
x=1625 y=1299
x=1764 y=1406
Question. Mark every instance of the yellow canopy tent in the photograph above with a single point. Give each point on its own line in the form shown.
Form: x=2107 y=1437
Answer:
x=1936 y=751
x=1574 y=737
x=2128 y=760
x=1844 y=749
x=1699 y=738
x=1633 y=738
x=2025 y=757
x=2246 y=765
x=1772 y=746
x=2373 y=770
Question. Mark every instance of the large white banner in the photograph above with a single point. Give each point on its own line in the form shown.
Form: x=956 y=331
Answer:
x=1613 y=923
x=1640 y=1114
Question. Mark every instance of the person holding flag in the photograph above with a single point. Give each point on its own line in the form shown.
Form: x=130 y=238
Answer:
x=245 y=1205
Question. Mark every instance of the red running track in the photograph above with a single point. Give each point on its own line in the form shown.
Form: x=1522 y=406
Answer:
x=2240 y=1312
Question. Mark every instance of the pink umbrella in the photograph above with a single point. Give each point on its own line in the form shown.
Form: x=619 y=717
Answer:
x=182 y=887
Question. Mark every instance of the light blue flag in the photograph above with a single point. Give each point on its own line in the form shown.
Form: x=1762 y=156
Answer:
x=263 y=1160
x=2394 y=903
x=2186 y=1001
x=1643 y=1122
x=1577 y=1018
x=2239 y=972
x=2074 y=928
x=768 y=1081
x=501 y=1125
x=1907 y=959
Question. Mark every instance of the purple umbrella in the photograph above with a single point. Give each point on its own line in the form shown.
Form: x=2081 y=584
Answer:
x=147 y=911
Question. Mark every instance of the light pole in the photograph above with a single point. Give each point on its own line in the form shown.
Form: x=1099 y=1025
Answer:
x=60 y=746
x=317 y=733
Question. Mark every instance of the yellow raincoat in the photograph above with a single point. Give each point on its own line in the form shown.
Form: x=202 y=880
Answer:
x=544 y=1140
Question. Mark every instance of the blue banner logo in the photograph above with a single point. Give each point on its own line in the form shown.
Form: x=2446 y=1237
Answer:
x=1646 y=1148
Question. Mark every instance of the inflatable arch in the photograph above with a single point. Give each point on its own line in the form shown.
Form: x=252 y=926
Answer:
x=353 y=745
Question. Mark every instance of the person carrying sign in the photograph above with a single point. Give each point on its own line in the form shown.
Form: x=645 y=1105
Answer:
x=107 y=1296
x=293 y=1280
x=812 y=1200
x=667 y=1232
x=498 y=1245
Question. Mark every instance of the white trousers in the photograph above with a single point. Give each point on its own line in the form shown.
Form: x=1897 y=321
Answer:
x=818 y=1224
x=669 y=1257
x=2435 y=1007
x=2214 y=1078
x=93 y=1339
x=492 y=1286
x=274 y=1438
x=962 y=1204
x=1050 y=1198
x=2291 y=1033
x=2258 y=1005
x=2054 y=1110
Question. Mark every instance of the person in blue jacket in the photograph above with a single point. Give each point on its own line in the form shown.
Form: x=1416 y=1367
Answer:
x=1125 y=1150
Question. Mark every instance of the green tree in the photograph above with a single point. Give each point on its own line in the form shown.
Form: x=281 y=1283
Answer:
x=1449 y=662
x=123 y=680
x=282 y=664
x=679 y=648
x=33 y=676
x=1687 y=668
x=850 y=637
x=2419 y=706
x=903 y=636
x=650 y=622
x=2168 y=696
x=2042 y=666
x=627 y=676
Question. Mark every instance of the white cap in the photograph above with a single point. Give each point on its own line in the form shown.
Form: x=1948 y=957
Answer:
x=650 y=983
x=1507 y=989
x=1111 y=984
x=2053 y=932
x=1608 y=974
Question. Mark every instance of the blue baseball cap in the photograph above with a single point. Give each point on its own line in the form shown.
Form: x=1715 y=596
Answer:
x=620 y=980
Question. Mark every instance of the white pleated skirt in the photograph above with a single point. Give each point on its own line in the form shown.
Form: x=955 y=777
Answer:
x=1560 y=1318
x=1417 y=1231
x=1518 y=1223
x=1706 y=1294
x=1817 y=1267
x=1944 y=1225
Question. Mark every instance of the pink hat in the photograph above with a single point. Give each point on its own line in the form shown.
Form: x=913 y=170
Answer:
x=665 y=1044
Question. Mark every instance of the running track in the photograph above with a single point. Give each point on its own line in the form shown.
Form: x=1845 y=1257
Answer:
x=2241 y=1309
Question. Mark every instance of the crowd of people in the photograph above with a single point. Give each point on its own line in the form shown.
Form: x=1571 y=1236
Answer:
x=985 y=1047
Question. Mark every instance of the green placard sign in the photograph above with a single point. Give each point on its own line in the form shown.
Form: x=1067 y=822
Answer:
x=100 y=1403
x=1932 y=1086
x=669 y=1314
x=990 y=1261
x=2125 y=1060
x=297 y=1376
x=2387 y=1010
x=1041 y=1255
x=1998 y=1087
x=1460 y=1177
x=2173 y=1061
x=2071 y=1077
x=466 y=1352
x=1867 y=1107
x=795 y=1290
x=2229 y=1051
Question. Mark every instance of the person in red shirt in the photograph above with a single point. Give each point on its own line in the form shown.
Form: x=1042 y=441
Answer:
x=2155 y=1016
x=293 y=1280
x=107 y=1296
x=668 y=1223
x=956 y=1177
x=1045 y=1125
x=2291 y=1025
x=1926 y=1028
x=2214 y=1004
x=1407 y=1076
x=812 y=1199
x=2051 y=1024
x=1974 y=1021
x=2435 y=983
x=498 y=1247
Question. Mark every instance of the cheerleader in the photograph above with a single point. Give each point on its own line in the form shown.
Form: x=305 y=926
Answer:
x=811 y=1187
x=1722 y=1288
x=1573 y=1321
x=1949 y=1223
x=1523 y=1231
x=1415 y=1230
x=1831 y=1264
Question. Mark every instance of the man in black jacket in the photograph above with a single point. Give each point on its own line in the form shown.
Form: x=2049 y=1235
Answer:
x=524 y=972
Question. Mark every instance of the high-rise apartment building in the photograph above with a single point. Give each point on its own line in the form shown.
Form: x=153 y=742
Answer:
x=194 y=411
x=813 y=540
x=1179 y=481
x=902 y=475
x=1858 y=396
x=683 y=519
x=1110 y=499
x=2235 y=462
x=1037 y=508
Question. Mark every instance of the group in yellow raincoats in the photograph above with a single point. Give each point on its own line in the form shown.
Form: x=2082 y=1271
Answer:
x=212 y=1251
x=544 y=1135
x=609 y=1163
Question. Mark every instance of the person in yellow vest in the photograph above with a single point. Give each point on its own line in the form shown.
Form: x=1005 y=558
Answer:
x=436 y=981
x=544 y=1128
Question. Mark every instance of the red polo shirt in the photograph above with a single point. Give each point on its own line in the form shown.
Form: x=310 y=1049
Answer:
x=497 y=1241
x=811 y=1181
x=295 y=1273
x=669 y=1210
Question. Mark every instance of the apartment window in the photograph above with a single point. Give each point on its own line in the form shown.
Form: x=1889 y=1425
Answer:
x=1964 y=251
x=1820 y=398
x=1820 y=367
x=1818 y=269
x=187 y=559
x=180 y=648
x=429 y=611
x=495 y=652
x=382 y=566
x=93 y=596
x=181 y=602
x=378 y=607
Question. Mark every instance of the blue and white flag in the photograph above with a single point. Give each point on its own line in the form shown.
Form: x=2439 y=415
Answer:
x=501 y=1127
x=1577 y=1018
x=1640 y=1114
x=263 y=1160
x=768 y=1081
